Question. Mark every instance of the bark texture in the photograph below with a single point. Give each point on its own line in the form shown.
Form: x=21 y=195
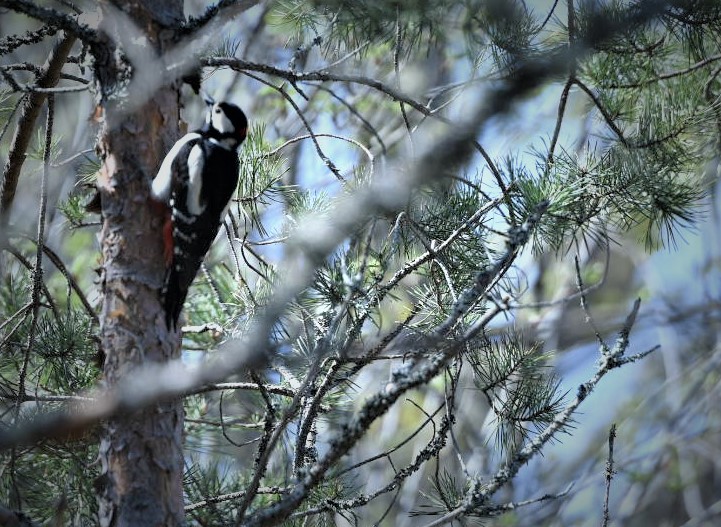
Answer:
x=140 y=453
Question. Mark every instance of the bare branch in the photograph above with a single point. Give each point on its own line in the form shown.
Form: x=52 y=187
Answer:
x=609 y=475
x=26 y=125
x=38 y=267
x=326 y=160
x=12 y=42
x=604 y=112
x=316 y=76
x=54 y=18
x=232 y=496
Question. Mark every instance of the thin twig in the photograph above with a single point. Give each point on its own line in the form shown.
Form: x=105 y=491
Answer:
x=22 y=314
x=252 y=386
x=609 y=475
x=38 y=89
x=17 y=314
x=292 y=140
x=396 y=66
x=29 y=266
x=26 y=126
x=574 y=296
x=60 y=266
x=38 y=268
x=12 y=42
x=559 y=120
x=260 y=463
x=514 y=505
x=232 y=496
x=11 y=115
x=548 y=16
x=326 y=160
x=665 y=76
x=584 y=305
x=368 y=126
x=606 y=116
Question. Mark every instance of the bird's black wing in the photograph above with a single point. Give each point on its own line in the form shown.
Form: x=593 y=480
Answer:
x=193 y=231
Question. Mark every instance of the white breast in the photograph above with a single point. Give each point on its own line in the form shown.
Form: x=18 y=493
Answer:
x=196 y=163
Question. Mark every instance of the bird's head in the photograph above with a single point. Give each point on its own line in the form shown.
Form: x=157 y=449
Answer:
x=226 y=123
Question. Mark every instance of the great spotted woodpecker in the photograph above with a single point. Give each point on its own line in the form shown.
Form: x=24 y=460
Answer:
x=193 y=187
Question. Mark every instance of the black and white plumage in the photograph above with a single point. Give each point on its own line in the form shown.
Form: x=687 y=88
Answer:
x=193 y=186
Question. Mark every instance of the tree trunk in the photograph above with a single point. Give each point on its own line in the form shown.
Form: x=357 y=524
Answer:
x=140 y=453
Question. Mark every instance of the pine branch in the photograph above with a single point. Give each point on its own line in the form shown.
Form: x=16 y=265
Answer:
x=26 y=125
x=708 y=61
x=60 y=266
x=432 y=449
x=224 y=10
x=412 y=376
x=316 y=76
x=232 y=496
x=476 y=499
x=12 y=42
x=306 y=250
x=38 y=267
x=415 y=264
x=54 y=18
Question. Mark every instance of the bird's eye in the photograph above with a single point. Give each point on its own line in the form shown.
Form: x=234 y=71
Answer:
x=217 y=110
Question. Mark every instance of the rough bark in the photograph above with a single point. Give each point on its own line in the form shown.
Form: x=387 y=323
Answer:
x=140 y=453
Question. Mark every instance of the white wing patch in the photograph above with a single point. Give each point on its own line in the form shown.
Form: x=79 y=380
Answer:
x=195 y=181
x=163 y=182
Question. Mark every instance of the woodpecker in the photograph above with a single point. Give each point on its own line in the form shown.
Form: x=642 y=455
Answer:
x=193 y=188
